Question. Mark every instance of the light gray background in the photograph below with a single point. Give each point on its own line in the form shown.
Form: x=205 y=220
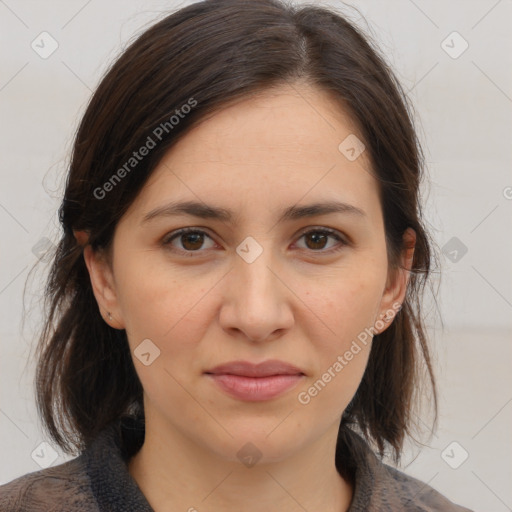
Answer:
x=464 y=108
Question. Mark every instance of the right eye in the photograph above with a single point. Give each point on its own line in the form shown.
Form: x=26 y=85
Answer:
x=190 y=239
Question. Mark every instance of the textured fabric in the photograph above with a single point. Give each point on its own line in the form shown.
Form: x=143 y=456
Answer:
x=98 y=481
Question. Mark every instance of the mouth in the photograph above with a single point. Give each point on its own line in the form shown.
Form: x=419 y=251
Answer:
x=255 y=389
x=269 y=368
x=255 y=382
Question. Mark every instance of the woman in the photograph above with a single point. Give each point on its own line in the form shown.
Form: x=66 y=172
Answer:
x=234 y=318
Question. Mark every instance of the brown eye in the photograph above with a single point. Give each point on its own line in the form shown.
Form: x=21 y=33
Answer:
x=189 y=240
x=318 y=240
x=192 y=241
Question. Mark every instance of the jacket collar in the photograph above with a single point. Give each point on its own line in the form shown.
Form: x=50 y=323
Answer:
x=115 y=489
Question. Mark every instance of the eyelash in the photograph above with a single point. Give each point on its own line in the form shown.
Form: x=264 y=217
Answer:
x=324 y=231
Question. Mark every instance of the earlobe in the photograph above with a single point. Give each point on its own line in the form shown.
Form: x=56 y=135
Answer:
x=100 y=274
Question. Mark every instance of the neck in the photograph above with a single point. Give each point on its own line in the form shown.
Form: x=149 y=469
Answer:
x=174 y=473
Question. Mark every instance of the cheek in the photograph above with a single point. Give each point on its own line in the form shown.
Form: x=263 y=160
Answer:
x=341 y=317
x=157 y=301
x=341 y=351
x=345 y=306
x=160 y=306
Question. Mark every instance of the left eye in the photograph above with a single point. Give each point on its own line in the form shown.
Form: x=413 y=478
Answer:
x=318 y=238
x=191 y=240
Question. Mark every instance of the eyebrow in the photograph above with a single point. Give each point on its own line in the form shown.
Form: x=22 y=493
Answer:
x=204 y=211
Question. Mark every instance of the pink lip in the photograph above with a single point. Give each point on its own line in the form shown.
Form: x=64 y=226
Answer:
x=255 y=389
x=264 y=369
x=255 y=382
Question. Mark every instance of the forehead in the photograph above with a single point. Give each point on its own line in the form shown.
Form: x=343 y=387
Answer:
x=274 y=147
x=285 y=122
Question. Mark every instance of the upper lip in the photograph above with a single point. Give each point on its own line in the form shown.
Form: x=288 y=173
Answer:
x=264 y=369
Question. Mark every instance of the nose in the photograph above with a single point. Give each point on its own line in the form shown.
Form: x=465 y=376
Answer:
x=256 y=300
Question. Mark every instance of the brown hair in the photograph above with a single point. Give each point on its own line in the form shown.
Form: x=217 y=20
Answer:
x=208 y=54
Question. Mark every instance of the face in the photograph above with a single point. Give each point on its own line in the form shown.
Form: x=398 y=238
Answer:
x=251 y=284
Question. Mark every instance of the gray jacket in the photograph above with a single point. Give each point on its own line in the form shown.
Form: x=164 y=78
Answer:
x=98 y=481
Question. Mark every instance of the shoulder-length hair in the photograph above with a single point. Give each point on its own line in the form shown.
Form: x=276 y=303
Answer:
x=206 y=55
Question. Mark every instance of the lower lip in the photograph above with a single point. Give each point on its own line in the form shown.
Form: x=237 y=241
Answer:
x=255 y=389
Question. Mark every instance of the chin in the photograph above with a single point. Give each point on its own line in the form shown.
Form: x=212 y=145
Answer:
x=264 y=443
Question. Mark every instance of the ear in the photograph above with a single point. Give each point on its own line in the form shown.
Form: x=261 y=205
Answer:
x=102 y=281
x=397 y=282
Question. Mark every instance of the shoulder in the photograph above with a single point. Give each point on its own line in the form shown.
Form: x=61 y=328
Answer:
x=56 y=489
x=380 y=487
x=416 y=495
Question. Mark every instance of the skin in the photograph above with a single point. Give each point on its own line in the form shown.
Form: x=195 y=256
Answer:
x=298 y=301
